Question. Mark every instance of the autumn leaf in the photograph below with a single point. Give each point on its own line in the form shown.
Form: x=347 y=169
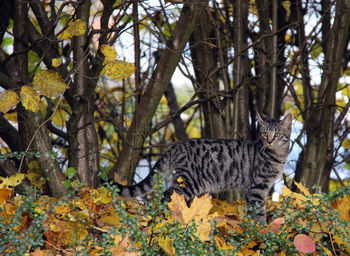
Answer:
x=198 y=211
x=346 y=143
x=121 y=247
x=35 y=175
x=30 y=98
x=166 y=244
x=304 y=190
x=304 y=243
x=118 y=69
x=8 y=99
x=49 y=83
x=75 y=28
x=56 y=62
x=4 y=194
x=109 y=52
x=276 y=224
x=12 y=181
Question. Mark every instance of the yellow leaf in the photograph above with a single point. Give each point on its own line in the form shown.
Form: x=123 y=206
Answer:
x=166 y=245
x=199 y=212
x=11 y=116
x=286 y=6
x=304 y=190
x=343 y=205
x=35 y=175
x=110 y=217
x=346 y=143
x=8 y=99
x=222 y=245
x=30 y=98
x=109 y=52
x=62 y=209
x=122 y=246
x=75 y=28
x=102 y=195
x=56 y=62
x=59 y=117
x=12 y=181
x=299 y=198
x=49 y=83
x=118 y=69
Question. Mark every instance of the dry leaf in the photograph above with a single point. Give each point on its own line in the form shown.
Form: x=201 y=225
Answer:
x=30 y=98
x=49 y=83
x=8 y=99
x=304 y=243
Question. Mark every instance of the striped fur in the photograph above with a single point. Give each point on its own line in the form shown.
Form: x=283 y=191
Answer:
x=213 y=165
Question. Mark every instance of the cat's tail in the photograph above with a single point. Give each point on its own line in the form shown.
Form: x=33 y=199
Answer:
x=139 y=189
x=145 y=186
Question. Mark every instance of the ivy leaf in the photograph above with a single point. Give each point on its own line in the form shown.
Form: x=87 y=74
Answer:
x=304 y=243
x=49 y=83
x=30 y=99
x=75 y=28
x=8 y=99
x=70 y=172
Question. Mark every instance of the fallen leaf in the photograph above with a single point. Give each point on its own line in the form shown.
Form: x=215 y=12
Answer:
x=276 y=224
x=304 y=243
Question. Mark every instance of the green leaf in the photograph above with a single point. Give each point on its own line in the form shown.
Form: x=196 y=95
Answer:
x=71 y=172
x=67 y=184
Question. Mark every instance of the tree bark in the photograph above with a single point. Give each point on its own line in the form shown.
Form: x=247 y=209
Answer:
x=156 y=87
x=83 y=150
x=29 y=122
x=179 y=126
x=204 y=59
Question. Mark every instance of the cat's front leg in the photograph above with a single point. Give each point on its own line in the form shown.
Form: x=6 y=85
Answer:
x=255 y=201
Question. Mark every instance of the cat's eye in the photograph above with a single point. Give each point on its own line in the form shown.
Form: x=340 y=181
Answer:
x=264 y=134
x=277 y=134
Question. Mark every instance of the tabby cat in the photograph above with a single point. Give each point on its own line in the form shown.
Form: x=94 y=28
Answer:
x=212 y=165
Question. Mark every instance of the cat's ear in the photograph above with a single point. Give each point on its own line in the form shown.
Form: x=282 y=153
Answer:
x=287 y=121
x=261 y=118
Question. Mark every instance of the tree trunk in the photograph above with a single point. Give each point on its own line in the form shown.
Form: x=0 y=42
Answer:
x=204 y=59
x=155 y=89
x=179 y=126
x=30 y=122
x=240 y=73
x=312 y=169
x=83 y=150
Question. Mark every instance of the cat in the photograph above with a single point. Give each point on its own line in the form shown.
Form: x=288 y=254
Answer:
x=213 y=165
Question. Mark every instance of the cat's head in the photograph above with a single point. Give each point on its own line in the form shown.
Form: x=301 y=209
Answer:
x=275 y=133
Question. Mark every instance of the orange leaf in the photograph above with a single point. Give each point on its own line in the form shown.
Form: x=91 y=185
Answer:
x=4 y=194
x=304 y=243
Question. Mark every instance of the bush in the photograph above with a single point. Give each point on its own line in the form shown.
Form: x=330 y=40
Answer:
x=98 y=222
